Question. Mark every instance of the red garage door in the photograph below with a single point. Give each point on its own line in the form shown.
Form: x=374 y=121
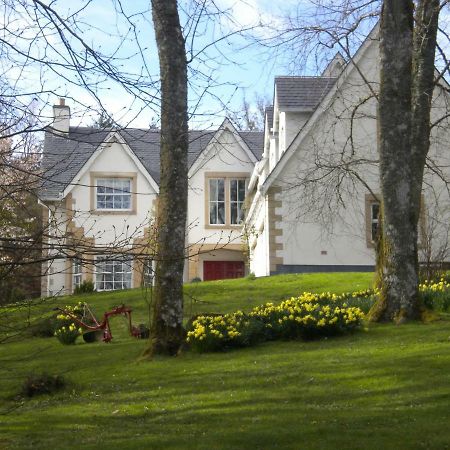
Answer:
x=220 y=270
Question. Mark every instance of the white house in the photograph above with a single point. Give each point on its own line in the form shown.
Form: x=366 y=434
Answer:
x=314 y=194
x=100 y=195
x=310 y=182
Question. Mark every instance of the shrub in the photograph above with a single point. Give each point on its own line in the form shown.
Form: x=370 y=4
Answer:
x=308 y=316
x=44 y=327
x=196 y=280
x=86 y=287
x=42 y=384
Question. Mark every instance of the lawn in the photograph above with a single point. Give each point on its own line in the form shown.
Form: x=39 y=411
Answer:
x=387 y=387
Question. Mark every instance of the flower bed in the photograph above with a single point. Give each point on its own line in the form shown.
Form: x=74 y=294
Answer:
x=305 y=317
x=436 y=294
x=67 y=331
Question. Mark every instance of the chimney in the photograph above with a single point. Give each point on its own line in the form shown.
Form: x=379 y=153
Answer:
x=61 y=117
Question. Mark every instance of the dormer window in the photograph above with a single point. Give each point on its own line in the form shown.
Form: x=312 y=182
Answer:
x=113 y=194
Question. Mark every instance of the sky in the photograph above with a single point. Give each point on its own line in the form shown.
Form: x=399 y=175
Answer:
x=219 y=75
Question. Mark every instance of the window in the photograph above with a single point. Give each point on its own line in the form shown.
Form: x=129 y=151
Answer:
x=225 y=204
x=113 y=194
x=372 y=217
x=77 y=273
x=372 y=214
x=216 y=201
x=147 y=273
x=237 y=197
x=374 y=220
x=112 y=273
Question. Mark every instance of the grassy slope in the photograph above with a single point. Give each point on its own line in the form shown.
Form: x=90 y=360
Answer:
x=385 y=388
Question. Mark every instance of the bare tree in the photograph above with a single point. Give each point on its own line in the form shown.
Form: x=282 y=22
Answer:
x=403 y=97
x=250 y=116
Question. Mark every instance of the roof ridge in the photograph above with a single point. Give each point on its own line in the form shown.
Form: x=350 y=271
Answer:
x=149 y=130
x=304 y=77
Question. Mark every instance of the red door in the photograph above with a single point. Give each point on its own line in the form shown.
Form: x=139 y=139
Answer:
x=220 y=270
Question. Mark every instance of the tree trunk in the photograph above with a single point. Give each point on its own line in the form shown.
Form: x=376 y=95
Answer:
x=167 y=331
x=406 y=87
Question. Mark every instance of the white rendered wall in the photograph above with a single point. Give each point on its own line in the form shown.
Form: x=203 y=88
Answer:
x=319 y=230
x=226 y=157
x=110 y=228
x=259 y=255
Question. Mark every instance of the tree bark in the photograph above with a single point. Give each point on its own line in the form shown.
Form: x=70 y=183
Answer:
x=406 y=88
x=167 y=331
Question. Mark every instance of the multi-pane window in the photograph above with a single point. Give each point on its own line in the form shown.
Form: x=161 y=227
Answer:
x=237 y=197
x=147 y=272
x=226 y=200
x=77 y=272
x=217 y=201
x=374 y=220
x=112 y=273
x=113 y=193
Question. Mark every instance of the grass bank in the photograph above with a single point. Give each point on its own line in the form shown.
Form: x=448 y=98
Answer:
x=386 y=387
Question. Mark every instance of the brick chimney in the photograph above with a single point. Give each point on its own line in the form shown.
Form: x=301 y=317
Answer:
x=61 y=117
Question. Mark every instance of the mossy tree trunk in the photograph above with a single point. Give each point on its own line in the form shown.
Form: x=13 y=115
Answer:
x=167 y=333
x=407 y=51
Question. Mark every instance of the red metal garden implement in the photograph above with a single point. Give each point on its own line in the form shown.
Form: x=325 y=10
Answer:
x=90 y=323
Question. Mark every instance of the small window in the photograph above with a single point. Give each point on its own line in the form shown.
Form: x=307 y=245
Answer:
x=113 y=194
x=217 y=201
x=237 y=197
x=112 y=273
x=374 y=220
x=147 y=273
x=77 y=273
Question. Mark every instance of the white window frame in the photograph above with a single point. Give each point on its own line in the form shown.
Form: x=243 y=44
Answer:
x=77 y=273
x=238 y=202
x=374 y=220
x=109 y=281
x=148 y=272
x=227 y=201
x=117 y=192
x=216 y=201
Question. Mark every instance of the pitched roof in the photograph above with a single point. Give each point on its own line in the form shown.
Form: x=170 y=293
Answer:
x=64 y=156
x=302 y=93
x=269 y=115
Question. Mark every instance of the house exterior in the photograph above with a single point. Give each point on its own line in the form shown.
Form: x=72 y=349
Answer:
x=100 y=201
x=314 y=195
x=308 y=184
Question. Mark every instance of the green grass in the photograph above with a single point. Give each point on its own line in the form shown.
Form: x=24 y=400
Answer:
x=386 y=388
x=215 y=297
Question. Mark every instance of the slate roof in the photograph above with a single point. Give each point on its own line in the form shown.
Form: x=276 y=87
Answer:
x=64 y=156
x=269 y=115
x=302 y=93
